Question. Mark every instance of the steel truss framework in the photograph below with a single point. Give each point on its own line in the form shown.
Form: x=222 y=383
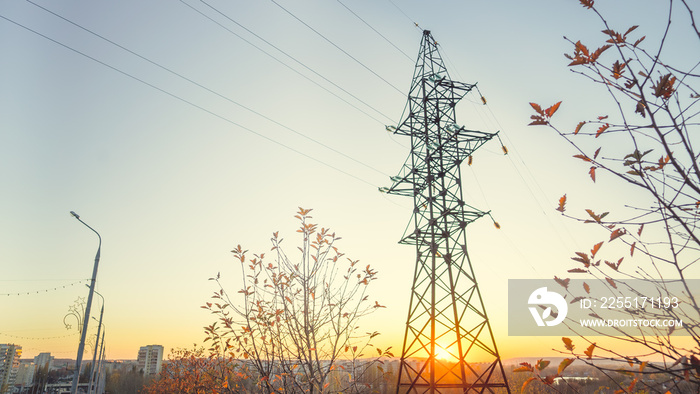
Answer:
x=447 y=323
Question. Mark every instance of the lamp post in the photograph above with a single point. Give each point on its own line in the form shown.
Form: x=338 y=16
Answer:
x=81 y=347
x=97 y=342
x=100 y=370
x=95 y=362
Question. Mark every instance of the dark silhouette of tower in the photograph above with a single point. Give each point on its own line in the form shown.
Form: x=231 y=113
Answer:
x=448 y=344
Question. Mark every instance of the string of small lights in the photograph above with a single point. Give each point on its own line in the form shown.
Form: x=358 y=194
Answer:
x=47 y=290
x=2 y=334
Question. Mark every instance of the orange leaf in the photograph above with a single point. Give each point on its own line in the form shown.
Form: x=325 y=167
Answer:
x=551 y=110
x=595 y=155
x=526 y=383
x=601 y=130
x=562 y=203
x=664 y=87
x=565 y=362
x=591 y=172
x=617 y=233
x=589 y=352
x=577 y=270
x=582 y=258
x=587 y=3
x=538 y=122
x=632 y=249
x=524 y=367
x=582 y=157
x=537 y=108
x=595 y=249
x=563 y=282
x=578 y=127
x=582 y=48
x=611 y=282
x=587 y=288
x=569 y=346
x=595 y=217
x=613 y=265
x=599 y=52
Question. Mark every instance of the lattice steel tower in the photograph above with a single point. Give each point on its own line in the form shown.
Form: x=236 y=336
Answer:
x=448 y=345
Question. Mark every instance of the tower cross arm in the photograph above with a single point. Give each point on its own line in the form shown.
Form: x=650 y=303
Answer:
x=456 y=85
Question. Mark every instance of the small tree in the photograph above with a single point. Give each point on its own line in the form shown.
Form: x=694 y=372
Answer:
x=197 y=371
x=126 y=380
x=297 y=328
x=41 y=378
x=647 y=143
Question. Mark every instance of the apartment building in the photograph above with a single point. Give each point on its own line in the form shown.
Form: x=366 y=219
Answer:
x=150 y=359
x=9 y=366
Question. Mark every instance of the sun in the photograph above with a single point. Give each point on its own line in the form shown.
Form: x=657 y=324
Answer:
x=441 y=353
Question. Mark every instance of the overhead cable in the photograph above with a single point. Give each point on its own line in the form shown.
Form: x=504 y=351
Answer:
x=339 y=48
x=289 y=56
x=209 y=90
x=406 y=15
x=375 y=30
x=186 y=101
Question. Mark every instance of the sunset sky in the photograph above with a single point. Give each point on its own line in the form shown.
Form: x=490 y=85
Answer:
x=177 y=133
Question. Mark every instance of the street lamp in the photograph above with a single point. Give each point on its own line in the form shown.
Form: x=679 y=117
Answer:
x=97 y=342
x=100 y=370
x=95 y=362
x=81 y=347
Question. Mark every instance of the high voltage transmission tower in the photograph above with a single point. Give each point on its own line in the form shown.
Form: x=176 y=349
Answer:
x=448 y=344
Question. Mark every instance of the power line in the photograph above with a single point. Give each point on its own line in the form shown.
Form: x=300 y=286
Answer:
x=339 y=48
x=375 y=30
x=406 y=15
x=289 y=56
x=186 y=101
x=391 y=120
x=208 y=89
x=534 y=181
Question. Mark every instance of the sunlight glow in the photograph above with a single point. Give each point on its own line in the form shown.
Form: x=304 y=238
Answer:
x=442 y=354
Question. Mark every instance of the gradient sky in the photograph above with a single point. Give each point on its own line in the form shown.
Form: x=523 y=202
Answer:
x=174 y=174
